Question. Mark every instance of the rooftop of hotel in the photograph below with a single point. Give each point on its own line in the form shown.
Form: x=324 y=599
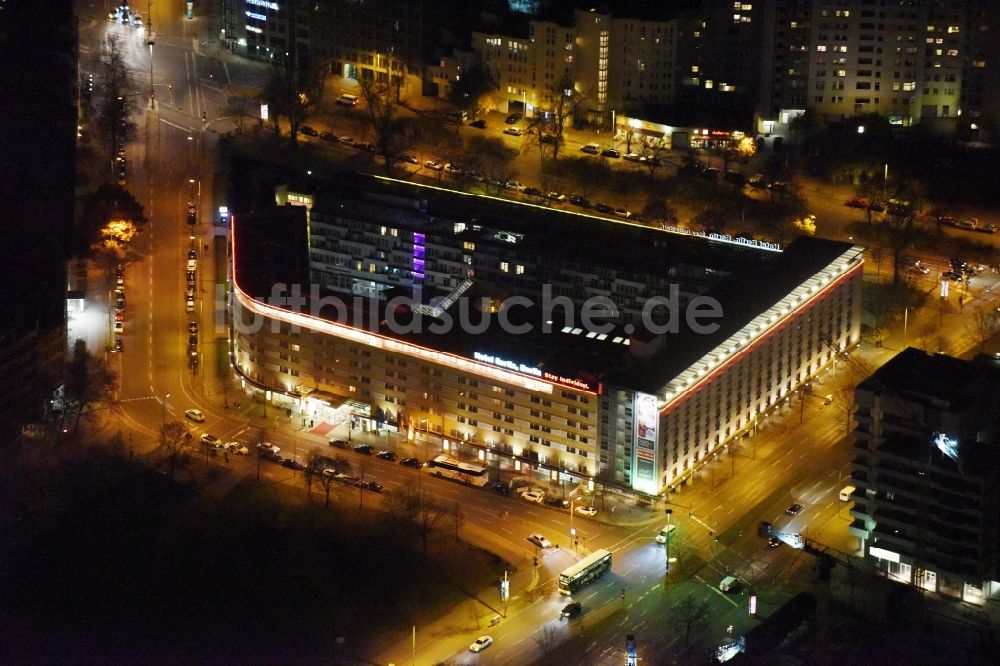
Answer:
x=747 y=280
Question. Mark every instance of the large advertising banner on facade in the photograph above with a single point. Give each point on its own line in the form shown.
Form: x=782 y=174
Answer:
x=646 y=420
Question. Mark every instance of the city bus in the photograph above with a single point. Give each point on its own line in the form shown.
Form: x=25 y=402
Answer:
x=450 y=468
x=585 y=571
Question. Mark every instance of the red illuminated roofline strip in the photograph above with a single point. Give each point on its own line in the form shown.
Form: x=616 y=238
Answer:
x=680 y=397
x=386 y=343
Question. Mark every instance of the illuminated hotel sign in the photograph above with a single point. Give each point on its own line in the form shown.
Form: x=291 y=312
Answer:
x=947 y=445
x=534 y=371
x=508 y=365
x=883 y=554
x=254 y=15
x=646 y=419
x=273 y=6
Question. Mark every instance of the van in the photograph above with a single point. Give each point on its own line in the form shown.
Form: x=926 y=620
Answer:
x=729 y=584
x=846 y=492
x=347 y=100
x=665 y=533
x=969 y=223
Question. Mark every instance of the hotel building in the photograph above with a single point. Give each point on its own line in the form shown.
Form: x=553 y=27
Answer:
x=927 y=474
x=595 y=384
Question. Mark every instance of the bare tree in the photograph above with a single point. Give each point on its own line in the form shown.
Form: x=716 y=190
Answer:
x=408 y=507
x=89 y=385
x=545 y=638
x=457 y=517
x=381 y=104
x=116 y=102
x=175 y=439
x=561 y=101
x=292 y=90
x=984 y=326
x=691 y=615
x=239 y=108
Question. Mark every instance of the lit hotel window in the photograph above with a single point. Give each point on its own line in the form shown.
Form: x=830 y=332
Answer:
x=519 y=270
x=504 y=266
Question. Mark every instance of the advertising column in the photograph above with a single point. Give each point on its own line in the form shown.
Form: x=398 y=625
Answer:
x=645 y=456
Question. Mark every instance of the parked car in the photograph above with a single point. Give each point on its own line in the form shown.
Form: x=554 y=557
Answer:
x=547 y=138
x=556 y=196
x=577 y=200
x=634 y=157
x=195 y=415
x=588 y=511
x=987 y=228
x=876 y=206
x=293 y=464
x=386 y=455
x=610 y=152
x=328 y=136
x=119 y=327
x=416 y=463
x=308 y=131
x=192 y=327
x=372 y=486
x=539 y=540
x=856 y=202
x=512 y=118
x=557 y=502
x=409 y=159
x=366 y=449
x=952 y=276
x=434 y=164
x=571 y=610
x=478 y=124
x=533 y=496
x=532 y=192
x=513 y=131
x=604 y=208
x=192 y=213
x=591 y=149
x=341 y=443
x=623 y=212
x=268 y=446
x=501 y=487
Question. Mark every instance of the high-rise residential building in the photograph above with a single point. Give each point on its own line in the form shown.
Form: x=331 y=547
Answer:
x=38 y=94
x=902 y=60
x=785 y=55
x=543 y=341
x=268 y=29
x=980 y=94
x=927 y=473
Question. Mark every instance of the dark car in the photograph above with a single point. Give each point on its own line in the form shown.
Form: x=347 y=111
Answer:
x=412 y=462
x=547 y=138
x=386 y=455
x=513 y=118
x=793 y=509
x=478 y=124
x=119 y=345
x=604 y=208
x=293 y=464
x=764 y=529
x=409 y=159
x=773 y=542
x=192 y=327
x=372 y=486
x=571 y=609
x=610 y=152
x=272 y=456
x=502 y=488
x=876 y=206
x=533 y=192
x=577 y=200
x=366 y=449
x=340 y=443
x=193 y=340
x=308 y=131
x=328 y=136
x=557 y=502
x=953 y=276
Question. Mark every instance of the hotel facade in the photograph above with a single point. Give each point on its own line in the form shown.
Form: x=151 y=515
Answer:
x=627 y=398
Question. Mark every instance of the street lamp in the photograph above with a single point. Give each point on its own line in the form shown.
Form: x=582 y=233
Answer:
x=572 y=536
x=163 y=419
x=666 y=543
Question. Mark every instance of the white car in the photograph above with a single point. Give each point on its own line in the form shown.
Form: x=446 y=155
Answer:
x=481 y=643
x=540 y=541
x=211 y=440
x=192 y=264
x=533 y=496
x=189 y=305
x=513 y=131
x=195 y=415
x=268 y=446
x=434 y=164
x=237 y=448
x=588 y=511
x=119 y=327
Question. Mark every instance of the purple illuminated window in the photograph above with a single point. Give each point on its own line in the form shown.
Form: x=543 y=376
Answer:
x=418 y=239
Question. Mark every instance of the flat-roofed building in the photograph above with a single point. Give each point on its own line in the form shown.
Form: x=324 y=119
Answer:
x=549 y=341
